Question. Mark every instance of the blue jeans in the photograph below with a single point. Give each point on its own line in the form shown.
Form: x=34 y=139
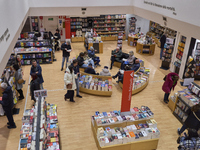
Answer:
x=96 y=60
x=77 y=86
x=86 y=65
x=63 y=60
x=41 y=86
x=161 y=52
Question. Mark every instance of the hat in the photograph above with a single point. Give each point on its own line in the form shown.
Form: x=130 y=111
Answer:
x=106 y=67
x=91 y=48
x=131 y=53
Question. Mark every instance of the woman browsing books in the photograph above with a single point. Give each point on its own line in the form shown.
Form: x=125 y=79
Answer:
x=70 y=84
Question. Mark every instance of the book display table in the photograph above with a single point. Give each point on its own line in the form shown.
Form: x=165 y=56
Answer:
x=97 y=46
x=95 y=84
x=125 y=132
x=132 y=41
x=77 y=39
x=145 y=49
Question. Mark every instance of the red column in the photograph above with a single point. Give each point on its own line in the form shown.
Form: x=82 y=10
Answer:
x=127 y=91
x=67 y=28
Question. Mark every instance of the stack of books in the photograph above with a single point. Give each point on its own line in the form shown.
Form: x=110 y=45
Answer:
x=88 y=82
x=119 y=135
x=32 y=49
x=114 y=117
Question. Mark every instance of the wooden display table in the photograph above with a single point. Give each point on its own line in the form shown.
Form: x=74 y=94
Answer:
x=97 y=46
x=172 y=105
x=132 y=41
x=145 y=49
x=77 y=39
x=149 y=144
x=135 y=91
x=109 y=38
x=96 y=92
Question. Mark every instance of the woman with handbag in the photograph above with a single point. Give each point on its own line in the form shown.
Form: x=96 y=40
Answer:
x=193 y=120
x=18 y=81
x=70 y=84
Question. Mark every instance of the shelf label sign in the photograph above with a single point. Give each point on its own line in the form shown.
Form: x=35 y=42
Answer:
x=127 y=91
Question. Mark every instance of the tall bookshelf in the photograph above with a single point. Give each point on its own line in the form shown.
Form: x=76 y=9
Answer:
x=132 y=24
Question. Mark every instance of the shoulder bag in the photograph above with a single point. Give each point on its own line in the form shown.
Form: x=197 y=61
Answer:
x=69 y=86
x=196 y=116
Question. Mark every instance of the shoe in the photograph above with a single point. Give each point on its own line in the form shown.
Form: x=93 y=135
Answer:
x=11 y=127
x=117 y=81
x=8 y=123
x=61 y=69
x=20 y=98
x=113 y=77
x=72 y=101
x=110 y=68
x=166 y=101
x=79 y=96
x=178 y=131
x=99 y=65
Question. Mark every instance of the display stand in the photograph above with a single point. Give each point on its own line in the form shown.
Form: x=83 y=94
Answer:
x=172 y=104
x=119 y=40
x=97 y=46
x=132 y=41
x=145 y=49
x=77 y=39
x=96 y=92
x=136 y=145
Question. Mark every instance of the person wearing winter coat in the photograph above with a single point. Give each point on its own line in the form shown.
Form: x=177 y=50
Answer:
x=136 y=66
x=70 y=84
x=36 y=68
x=66 y=48
x=57 y=38
x=115 y=56
x=162 y=44
x=91 y=54
x=34 y=85
x=193 y=119
x=90 y=70
x=129 y=61
x=105 y=72
x=170 y=82
x=18 y=76
x=7 y=104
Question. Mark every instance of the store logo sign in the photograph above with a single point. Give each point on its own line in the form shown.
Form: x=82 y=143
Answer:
x=5 y=36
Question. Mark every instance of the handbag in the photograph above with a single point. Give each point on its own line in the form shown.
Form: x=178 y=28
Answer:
x=20 y=81
x=69 y=86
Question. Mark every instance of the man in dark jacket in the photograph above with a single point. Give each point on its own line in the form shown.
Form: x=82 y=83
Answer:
x=57 y=37
x=162 y=44
x=116 y=56
x=136 y=66
x=90 y=69
x=7 y=104
x=91 y=54
x=77 y=73
x=66 y=48
x=36 y=69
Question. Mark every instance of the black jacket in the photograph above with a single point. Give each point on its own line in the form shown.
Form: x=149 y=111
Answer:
x=191 y=121
x=58 y=36
x=7 y=99
x=80 y=61
x=34 y=85
x=76 y=69
x=90 y=70
x=162 y=41
x=135 y=67
x=38 y=69
x=65 y=53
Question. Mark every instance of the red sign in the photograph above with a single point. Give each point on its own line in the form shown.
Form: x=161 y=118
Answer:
x=67 y=28
x=127 y=91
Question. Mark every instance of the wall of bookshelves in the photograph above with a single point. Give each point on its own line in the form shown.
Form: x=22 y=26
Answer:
x=41 y=51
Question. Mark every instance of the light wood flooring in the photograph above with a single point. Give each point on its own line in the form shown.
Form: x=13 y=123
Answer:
x=74 y=118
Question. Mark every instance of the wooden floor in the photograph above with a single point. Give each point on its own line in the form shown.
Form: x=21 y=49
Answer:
x=74 y=118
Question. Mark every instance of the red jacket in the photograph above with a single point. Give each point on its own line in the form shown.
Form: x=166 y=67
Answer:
x=168 y=84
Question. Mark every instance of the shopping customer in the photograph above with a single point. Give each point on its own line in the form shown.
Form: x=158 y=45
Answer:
x=105 y=71
x=36 y=69
x=70 y=84
x=115 y=56
x=87 y=58
x=77 y=74
x=84 y=63
x=193 y=119
x=66 y=48
x=170 y=82
x=7 y=104
x=34 y=85
x=129 y=61
x=57 y=38
x=162 y=44
x=90 y=70
x=120 y=74
x=91 y=54
x=136 y=66
x=18 y=78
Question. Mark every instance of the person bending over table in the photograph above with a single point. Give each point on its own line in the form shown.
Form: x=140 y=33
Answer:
x=129 y=61
x=91 y=54
x=116 y=56
x=90 y=70
x=84 y=63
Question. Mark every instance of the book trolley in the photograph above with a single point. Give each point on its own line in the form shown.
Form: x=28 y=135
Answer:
x=86 y=86
x=129 y=141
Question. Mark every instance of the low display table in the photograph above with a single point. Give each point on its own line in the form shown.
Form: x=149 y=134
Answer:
x=132 y=41
x=97 y=46
x=145 y=49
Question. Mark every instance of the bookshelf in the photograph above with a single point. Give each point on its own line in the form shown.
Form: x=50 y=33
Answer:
x=132 y=24
x=41 y=51
x=119 y=40
x=34 y=23
x=179 y=54
x=145 y=49
x=87 y=85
